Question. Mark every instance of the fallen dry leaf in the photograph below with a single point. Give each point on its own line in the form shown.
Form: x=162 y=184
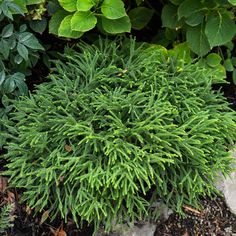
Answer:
x=58 y=232
x=68 y=148
x=3 y=184
x=194 y=211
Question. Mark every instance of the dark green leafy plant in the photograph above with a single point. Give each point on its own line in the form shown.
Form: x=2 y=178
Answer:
x=115 y=129
x=206 y=24
x=71 y=19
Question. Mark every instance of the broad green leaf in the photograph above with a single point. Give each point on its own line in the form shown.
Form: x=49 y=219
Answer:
x=85 y=5
x=68 y=5
x=220 y=29
x=228 y=65
x=190 y=7
x=23 y=51
x=113 y=9
x=140 y=16
x=169 y=17
x=56 y=20
x=7 y=31
x=116 y=26
x=197 y=40
x=39 y=26
x=233 y=2
x=65 y=29
x=33 y=43
x=213 y=59
x=83 y=21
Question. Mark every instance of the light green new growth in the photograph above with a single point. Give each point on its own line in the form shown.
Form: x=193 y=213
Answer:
x=115 y=129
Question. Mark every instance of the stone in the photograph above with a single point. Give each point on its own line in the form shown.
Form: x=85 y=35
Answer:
x=228 y=187
x=142 y=229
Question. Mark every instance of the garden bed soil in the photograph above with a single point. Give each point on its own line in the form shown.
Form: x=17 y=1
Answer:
x=214 y=219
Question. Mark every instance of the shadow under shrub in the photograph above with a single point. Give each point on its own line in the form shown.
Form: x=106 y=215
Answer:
x=114 y=130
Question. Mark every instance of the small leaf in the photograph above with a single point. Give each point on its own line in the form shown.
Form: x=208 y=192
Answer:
x=68 y=5
x=228 y=65
x=65 y=29
x=23 y=51
x=83 y=21
x=113 y=9
x=116 y=26
x=39 y=26
x=18 y=59
x=140 y=16
x=7 y=31
x=213 y=59
x=85 y=5
x=220 y=29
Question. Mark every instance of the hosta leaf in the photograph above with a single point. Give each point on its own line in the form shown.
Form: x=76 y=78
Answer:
x=140 y=16
x=116 y=26
x=113 y=9
x=83 y=21
x=68 y=5
x=65 y=29
x=56 y=20
x=220 y=29
x=85 y=5
x=197 y=40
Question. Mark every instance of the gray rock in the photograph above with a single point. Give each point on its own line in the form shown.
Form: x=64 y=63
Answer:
x=228 y=187
x=144 y=229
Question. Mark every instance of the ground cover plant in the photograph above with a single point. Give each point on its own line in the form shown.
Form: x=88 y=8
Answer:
x=102 y=143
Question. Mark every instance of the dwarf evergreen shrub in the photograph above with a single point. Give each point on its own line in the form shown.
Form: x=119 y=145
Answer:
x=115 y=129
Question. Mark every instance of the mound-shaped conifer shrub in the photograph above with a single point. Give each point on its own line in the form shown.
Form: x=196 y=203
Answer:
x=114 y=130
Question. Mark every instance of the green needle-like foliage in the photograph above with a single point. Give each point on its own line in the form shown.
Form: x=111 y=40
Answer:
x=115 y=129
x=6 y=217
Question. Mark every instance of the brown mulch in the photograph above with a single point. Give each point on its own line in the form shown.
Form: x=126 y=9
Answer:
x=214 y=220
